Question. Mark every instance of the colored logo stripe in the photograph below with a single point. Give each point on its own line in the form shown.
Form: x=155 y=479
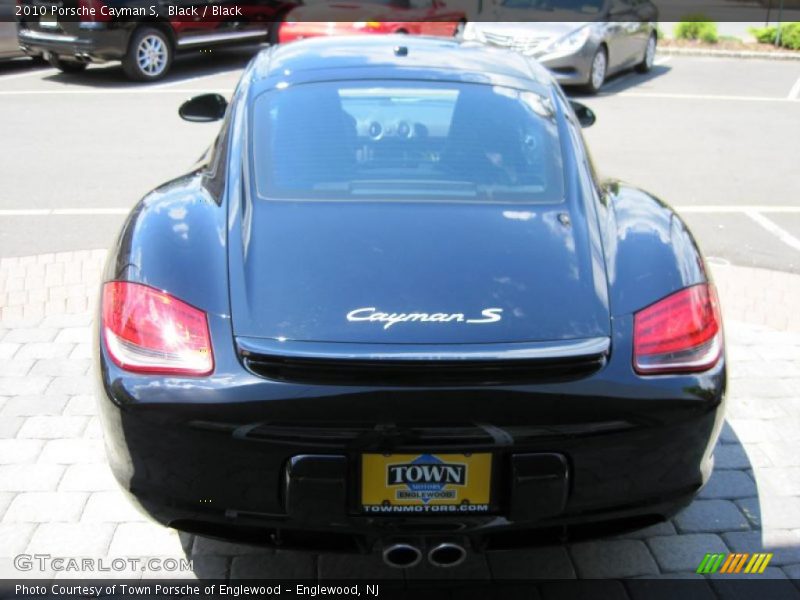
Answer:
x=758 y=563
x=711 y=563
x=734 y=563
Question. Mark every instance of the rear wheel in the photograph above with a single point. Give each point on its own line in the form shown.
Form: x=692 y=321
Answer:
x=649 y=55
x=149 y=56
x=597 y=73
x=67 y=66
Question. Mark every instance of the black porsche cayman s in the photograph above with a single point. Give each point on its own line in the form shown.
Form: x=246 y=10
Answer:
x=394 y=307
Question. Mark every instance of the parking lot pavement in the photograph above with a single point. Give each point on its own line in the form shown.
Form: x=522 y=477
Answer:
x=713 y=138
x=58 y=497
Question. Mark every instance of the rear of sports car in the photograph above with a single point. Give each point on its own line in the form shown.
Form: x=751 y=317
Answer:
x=414 y=344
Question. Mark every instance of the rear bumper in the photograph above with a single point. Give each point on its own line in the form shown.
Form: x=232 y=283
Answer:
x=246 y=491
x=86 y=41
x=218 y=456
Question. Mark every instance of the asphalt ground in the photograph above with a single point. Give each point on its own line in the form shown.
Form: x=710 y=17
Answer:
x=717 y=138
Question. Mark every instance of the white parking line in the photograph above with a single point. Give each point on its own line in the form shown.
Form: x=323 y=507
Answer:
x=91 y=211
x=715 y=97
x=165 y=89
x=754 y=212
x=697 y=208
x=711 y=208
x=113 y=91
x=170 y=90
x=794 y=93
x=28 y=73
x=48 y=212
x=170 y=84
x=662 y=60
x=779 y=232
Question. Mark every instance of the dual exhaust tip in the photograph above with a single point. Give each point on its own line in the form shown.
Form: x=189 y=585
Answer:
x=404 y=555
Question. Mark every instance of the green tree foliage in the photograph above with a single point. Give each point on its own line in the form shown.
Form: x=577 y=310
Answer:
x=790 y=35
x=697 y=27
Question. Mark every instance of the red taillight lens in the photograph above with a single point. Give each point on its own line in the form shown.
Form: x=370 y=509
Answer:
x=680 y=334
x=148 y=331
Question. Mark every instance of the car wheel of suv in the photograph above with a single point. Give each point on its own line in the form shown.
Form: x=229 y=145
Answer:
x=67 y=66
x=597 y=73
x=649 y=55
x=149 y=56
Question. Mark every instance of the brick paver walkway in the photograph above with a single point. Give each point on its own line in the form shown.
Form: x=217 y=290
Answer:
x=58 y=497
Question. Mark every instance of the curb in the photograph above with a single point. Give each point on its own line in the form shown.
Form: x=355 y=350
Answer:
x=728 y=53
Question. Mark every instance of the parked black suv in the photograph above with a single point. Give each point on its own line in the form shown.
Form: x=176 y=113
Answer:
x=143 y=34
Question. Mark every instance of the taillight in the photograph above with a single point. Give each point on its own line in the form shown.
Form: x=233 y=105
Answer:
x=149 y=331
x=680 y=334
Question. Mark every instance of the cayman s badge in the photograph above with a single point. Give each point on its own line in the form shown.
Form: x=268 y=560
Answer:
x=371 y=314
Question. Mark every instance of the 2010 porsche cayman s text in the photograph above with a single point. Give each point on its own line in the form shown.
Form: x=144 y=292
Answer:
x=395 y=308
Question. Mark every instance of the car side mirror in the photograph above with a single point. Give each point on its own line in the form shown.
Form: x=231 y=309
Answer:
x=586 y=116
x=203 y=109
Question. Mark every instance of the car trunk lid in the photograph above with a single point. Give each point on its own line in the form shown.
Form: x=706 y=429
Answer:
x=385 y=273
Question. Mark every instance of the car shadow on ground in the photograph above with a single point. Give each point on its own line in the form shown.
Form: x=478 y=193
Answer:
x=186 y=67
x=725 y=518
x=623 y=82
x=21 y=66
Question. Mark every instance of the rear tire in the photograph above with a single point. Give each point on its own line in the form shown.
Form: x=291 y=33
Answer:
x=598 y=71
x=67 y=66
x=149 y=55
x=649 y=55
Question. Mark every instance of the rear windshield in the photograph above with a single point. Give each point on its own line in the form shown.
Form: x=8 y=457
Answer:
x=406 y=140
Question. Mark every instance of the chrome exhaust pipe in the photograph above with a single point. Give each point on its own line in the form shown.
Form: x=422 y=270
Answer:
x=402 y=555
x=447 y=554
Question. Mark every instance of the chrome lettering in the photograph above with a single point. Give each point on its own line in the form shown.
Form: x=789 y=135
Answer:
x=373 y=315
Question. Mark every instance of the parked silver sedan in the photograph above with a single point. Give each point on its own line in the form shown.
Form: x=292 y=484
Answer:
x=580 y=53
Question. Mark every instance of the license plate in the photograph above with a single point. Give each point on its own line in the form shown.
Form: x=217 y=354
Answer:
x=48 y=20
x=425 y=483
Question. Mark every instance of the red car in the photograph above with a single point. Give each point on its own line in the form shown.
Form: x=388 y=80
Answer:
x=420 y=17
